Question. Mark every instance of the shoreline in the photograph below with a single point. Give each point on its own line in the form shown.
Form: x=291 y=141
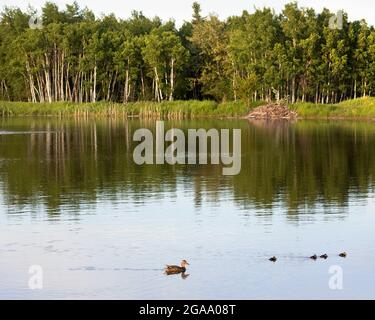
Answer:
x=358 y=109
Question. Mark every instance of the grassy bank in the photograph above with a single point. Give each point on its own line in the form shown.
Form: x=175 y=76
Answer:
x=355 y=109
x=359 y=108
x=175 y=109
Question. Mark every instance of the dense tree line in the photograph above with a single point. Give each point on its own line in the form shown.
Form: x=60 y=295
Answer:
x=75 y=56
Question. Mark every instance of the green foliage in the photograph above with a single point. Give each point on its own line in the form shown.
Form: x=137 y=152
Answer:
x=77 y=57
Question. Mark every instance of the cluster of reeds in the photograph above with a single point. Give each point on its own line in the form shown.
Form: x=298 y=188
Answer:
x=166 y=110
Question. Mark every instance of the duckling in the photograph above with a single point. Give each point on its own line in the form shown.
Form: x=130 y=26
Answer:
x=176 y=269
x=324 y=256
x=273 y=259
x=314 y=257
x=343 y=255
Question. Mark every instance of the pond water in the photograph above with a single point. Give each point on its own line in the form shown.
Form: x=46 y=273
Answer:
x=74 y=203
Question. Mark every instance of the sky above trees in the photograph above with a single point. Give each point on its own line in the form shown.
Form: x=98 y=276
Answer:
x=180 y=10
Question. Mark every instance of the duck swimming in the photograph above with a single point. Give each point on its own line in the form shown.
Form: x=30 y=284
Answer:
x=314 y=257
x=176 y=269
x=343 y=255
x=324 y=256
x=273 y=259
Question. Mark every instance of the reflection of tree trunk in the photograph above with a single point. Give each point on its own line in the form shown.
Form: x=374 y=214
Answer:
x=95 y=143
x=68 y=137
x=56 y=155
x=198 y=192
x=127 y=135
x=48 y=143
x=62 y=142
x=32 y=137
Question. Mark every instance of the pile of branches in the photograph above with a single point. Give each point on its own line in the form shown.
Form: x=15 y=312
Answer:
x=273 y=112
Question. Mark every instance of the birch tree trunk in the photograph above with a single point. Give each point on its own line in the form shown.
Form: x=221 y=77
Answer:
x=126 y=88
x=172 y=80
x=158 y=91
x=94 y=89
x=47 y=78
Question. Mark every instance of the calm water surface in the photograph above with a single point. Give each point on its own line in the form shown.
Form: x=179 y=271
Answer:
x=73 y=201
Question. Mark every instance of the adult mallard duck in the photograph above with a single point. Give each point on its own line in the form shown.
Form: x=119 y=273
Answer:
x=176 y=269
x=324 y=256
x=314 y=257
x=343 y=255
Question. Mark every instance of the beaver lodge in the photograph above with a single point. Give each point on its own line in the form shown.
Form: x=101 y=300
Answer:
x=272 y=112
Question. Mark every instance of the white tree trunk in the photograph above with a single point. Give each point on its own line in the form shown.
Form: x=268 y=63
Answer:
x=94 y=89
x=172 y=80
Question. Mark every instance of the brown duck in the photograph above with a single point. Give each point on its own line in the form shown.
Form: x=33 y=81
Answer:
x=343 y=255
x=176 y=269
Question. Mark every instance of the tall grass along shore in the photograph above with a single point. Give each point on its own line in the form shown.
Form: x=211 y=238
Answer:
x=173 y=110
x=358 y=108
x=362 y=108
